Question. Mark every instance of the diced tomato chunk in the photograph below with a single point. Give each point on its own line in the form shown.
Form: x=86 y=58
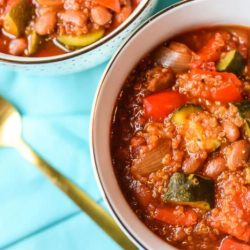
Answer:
x=230 y=244
x=208 y=66
x=212 y=50
x=229 y=89
x=232 y=212
x=160 y=105
x=144 y=196
x=179 y=217
x=111 y=4
x=228 y=93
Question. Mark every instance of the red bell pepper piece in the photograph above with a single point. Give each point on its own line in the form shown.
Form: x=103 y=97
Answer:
x=230 y=244
x=171 y=216
x=159 y=105
x=110 y=4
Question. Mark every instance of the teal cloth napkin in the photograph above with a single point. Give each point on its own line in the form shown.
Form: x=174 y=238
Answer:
x=34 y=214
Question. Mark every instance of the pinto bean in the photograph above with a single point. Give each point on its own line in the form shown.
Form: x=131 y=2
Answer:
x=192 y=164
x=74 y=17
x=123 y=14
x=215 y=167
x=46 y=23
x=18 y=46
x=160 y=79
x=231 y=130
x=101 y=15
x=237 y=154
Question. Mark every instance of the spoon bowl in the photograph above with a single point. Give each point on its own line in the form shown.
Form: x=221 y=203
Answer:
x=10 y=125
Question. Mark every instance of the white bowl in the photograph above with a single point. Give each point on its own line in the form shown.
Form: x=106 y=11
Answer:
x=176 y=19
x=84 y=58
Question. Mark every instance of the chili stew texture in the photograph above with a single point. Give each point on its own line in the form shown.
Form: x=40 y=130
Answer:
x=52 y=27
x=180 y=139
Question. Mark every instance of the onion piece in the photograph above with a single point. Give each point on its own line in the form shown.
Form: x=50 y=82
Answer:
x=176 y=56
x=152 y=161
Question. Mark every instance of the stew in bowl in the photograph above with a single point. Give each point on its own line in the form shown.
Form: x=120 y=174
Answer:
x=170 y=129
x=180 y=139
x=44 y=28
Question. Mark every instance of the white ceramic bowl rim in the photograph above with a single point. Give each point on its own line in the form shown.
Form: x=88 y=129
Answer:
x=99 y=90
x=40 y=60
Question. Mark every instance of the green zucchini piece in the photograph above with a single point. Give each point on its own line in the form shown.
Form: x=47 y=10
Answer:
x=196 y=132
x=197 y=136
x=191 y=190
x=247 y=174
x=211 y=144
x=244 y=110
x=80 y=41
x=180 y=116
x=246 y=128
x=232 y=62
x=34 y=41
x=17 y=18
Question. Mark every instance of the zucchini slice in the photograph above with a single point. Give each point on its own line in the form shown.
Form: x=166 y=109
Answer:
x=34 y=40
x=247 y=175
x=232 y=62
x=191 y=190
x=80 y=41
x=196 y=133
x=244 y=110
x=180 y=117
x=17 y=18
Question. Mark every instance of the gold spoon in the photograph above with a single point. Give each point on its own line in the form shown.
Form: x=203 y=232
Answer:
x=11 y=136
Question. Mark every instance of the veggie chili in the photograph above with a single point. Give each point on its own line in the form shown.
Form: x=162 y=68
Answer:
x=180 y=139
x=52 y=27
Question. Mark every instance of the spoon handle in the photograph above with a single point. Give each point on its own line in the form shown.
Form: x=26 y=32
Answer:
x=78 y=196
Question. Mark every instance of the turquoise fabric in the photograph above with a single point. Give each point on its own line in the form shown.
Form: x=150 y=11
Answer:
x=56 y=112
